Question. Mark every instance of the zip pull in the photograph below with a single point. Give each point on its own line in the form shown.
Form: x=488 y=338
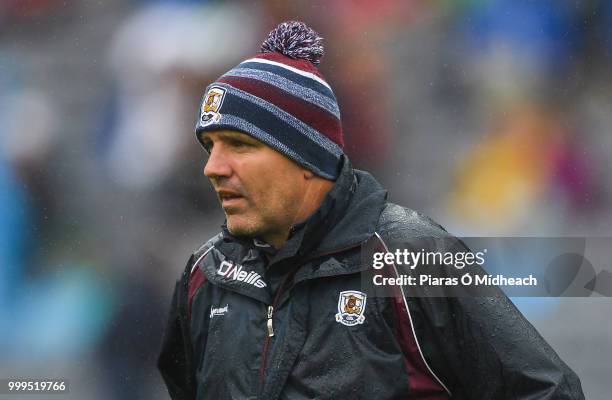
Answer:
x=270 y=328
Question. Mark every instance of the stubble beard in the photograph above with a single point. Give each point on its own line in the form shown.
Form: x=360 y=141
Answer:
x=259 y=225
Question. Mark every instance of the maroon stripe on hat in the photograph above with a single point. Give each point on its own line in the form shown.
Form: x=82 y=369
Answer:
x=301 y=64
x=316 y=117
x=196 y=280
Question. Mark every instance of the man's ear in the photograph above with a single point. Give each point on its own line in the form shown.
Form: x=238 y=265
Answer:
x=308 y=174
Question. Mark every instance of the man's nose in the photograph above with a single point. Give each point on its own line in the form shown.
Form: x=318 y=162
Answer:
x=218 y=163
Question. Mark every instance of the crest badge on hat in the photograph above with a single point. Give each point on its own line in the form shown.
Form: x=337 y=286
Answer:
x=351 y=306
x=211 y=104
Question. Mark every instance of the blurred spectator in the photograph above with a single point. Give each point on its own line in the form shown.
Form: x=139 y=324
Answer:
x=157 y=71
x=13 y=241
x=530 y=165
x=68 y=302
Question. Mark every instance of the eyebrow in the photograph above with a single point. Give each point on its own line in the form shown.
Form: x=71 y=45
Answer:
x=235 y=136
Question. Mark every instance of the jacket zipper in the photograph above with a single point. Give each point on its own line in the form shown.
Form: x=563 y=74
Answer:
x=269 y=324
x=270 y=327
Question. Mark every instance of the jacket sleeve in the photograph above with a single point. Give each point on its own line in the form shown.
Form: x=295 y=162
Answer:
x=490 y=351
x=175 y=359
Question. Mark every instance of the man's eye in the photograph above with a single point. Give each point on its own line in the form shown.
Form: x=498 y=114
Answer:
x=238 y=144
x=208 y=145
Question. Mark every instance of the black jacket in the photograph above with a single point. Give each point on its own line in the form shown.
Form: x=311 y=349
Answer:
x=301 y=326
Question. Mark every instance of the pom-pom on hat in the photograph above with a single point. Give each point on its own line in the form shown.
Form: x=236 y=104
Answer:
x=280 y=98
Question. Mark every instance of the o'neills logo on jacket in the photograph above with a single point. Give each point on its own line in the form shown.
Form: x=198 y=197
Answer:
x=235 y=272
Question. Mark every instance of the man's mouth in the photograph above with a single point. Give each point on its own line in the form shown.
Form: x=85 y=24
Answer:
x=228 y=197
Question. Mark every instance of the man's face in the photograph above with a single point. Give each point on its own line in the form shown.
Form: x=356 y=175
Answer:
x=261 y=191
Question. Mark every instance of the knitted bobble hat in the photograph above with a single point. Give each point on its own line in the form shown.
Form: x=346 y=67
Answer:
x=280 y=98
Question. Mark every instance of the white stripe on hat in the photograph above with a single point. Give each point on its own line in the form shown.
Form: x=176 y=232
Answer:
x=290 y=68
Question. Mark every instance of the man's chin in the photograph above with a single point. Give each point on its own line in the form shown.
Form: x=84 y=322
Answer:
x=237 y=226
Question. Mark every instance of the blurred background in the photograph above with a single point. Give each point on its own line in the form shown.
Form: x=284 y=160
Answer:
x=493 y=117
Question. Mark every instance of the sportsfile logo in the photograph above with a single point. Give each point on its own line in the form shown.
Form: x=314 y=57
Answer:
x=235 y=272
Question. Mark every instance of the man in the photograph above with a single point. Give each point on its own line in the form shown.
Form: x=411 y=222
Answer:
x=273 y=307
